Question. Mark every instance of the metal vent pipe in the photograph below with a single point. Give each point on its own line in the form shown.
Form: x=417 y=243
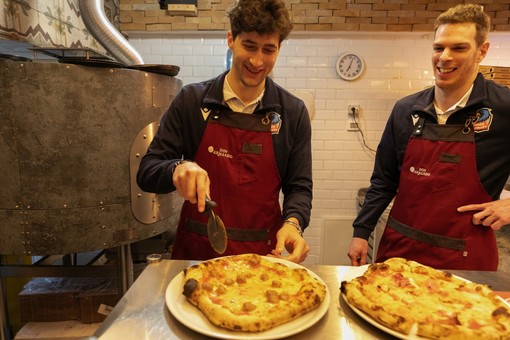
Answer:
x=92 y=12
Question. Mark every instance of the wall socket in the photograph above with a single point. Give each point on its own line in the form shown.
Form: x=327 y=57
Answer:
x=353 y=117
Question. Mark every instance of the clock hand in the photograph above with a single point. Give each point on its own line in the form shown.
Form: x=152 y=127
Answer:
x=350 y=64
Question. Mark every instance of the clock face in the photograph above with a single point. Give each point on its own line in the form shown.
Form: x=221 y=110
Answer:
x=349 y=66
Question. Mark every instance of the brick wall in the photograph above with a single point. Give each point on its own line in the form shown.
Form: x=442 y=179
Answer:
x=312 y=15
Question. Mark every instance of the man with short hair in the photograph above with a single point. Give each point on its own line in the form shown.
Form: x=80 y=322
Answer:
x=444 y=158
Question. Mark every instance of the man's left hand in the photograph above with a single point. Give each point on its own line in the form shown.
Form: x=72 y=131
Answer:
x=288 y=238
x=494 y=214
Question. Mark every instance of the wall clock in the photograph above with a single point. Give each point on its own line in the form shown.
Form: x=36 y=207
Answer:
x=350 y=66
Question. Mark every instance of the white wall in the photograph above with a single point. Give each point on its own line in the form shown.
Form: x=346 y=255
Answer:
x=397 y=64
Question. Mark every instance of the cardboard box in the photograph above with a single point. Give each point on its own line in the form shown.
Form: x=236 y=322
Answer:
x=505 y=81
x=495 y=75
x=62 y=299
x=493 y=69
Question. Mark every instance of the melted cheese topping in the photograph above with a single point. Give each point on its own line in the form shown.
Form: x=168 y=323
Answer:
x=427 y=296
x=245 y=288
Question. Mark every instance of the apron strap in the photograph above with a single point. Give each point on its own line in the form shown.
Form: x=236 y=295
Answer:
x=235 y=234
x=425 y=237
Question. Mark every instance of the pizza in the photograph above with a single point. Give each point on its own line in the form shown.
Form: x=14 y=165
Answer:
x=251 y=293
x=415 y=299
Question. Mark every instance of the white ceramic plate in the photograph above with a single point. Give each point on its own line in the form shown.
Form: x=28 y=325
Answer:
x=378 y=325
x=358 y=271
x=192 y=317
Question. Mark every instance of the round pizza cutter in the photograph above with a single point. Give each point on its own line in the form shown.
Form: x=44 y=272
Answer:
x=216 y=230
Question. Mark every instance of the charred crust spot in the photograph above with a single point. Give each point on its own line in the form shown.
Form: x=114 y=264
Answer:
x=189 y=287
x=421 y=270
x=185 y=271
x=362 y=279
x=342 y=286
x=383 y=267
x=447 y=275
x=500 y=311
x=401 y=320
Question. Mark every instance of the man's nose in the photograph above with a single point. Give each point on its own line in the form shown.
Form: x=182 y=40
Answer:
x=256 y=59
x=445 y=54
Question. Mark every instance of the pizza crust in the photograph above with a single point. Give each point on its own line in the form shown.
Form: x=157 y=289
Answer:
x=407 y=296
x=250 y=293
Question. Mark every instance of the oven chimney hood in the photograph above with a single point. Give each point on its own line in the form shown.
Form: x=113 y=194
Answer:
x=94 y=18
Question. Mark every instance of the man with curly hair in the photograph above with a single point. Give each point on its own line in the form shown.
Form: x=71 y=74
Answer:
x=239 y=139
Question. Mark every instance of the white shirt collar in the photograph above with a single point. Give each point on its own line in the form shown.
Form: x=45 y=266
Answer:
x=442 y=116
x=236 y=104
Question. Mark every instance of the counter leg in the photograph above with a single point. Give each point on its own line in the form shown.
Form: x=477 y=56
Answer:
x=125 y=268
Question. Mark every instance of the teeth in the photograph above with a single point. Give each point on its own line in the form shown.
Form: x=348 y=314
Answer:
x=445 y=70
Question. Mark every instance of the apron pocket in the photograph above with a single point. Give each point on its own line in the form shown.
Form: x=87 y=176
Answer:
x=250 y=163
x=446 y=172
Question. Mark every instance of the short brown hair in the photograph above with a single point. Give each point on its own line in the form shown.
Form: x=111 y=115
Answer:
x=261 y=16
x=467 y=13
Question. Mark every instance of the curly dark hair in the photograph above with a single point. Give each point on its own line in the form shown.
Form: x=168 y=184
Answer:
x=467 y=13
x=261 y=16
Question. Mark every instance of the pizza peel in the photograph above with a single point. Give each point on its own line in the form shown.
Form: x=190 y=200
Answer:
x=216 y=230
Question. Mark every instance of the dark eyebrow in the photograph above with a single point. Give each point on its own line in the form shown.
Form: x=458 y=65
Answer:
x=461 y=44
x=249 y=41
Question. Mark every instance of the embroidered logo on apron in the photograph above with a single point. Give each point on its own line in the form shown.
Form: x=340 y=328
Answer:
x=482 y=120
x=419 y=171
x=220 y=153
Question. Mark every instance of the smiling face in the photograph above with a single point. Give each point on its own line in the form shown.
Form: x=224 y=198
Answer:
x=253 y=58
x=456 y=57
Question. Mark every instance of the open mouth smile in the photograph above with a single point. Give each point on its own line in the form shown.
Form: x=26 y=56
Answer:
x=444 y=70
x=253 y=71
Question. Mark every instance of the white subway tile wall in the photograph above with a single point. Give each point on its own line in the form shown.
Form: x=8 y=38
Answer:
x=397 y=64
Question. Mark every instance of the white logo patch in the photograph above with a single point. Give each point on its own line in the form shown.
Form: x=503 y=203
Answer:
x=419 y=171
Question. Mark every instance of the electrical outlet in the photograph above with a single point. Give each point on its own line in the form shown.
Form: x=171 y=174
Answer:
x=352 y=110
x=353 y=117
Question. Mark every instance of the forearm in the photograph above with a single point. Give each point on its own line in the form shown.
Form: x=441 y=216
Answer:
x=298 y=185
x=155 y=175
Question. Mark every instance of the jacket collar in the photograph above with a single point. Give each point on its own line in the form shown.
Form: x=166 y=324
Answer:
x=214 y=94
x=425 y=102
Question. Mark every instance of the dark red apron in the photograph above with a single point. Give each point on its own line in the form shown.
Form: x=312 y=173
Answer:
x=438 y=175
x=237 y=153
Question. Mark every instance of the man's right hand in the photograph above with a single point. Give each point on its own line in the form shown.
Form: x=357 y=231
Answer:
x=358 y=251
x=192 y=183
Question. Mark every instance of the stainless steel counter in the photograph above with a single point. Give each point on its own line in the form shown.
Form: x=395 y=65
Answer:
x=142 y=312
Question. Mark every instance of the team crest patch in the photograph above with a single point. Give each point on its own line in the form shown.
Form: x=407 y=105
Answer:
x=276 y=122
x=482 y=120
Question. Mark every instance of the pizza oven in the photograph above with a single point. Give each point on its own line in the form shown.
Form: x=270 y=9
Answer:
x=72 y=134
x=75 y=123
